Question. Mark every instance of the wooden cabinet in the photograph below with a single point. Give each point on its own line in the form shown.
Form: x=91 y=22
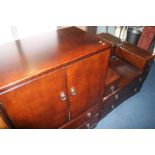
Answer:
x=51 y=93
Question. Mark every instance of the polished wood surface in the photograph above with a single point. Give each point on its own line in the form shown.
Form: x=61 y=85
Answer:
x=37 y=104
x=112 y=81
x=3 y=125
x=134 y=55
x=90 y=124
x=84 y=117
x=126 y=71
x=123 y=92
x=87 y=78
x=132 y=64
x=109 y=38
x=24 y=59
x=111 y=76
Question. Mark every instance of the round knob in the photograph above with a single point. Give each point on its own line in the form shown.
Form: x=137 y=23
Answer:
x=135 y=90
x=89 y=114
x=116 y=97
x=112 y=88
x=100 y=41
x=112 y=106
x=140 y=79
x=73 y=91
x=63 y=97
x=103 y=43
x=88 y=125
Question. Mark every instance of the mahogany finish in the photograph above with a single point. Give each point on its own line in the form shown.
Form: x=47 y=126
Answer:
x=3 y=125
x=49 y=80
x=29 y=58
x=83 y=118
x=37 y=104
x=58 y=79
x=132 y=64
x=134 y=55
x=109 y=38
x=126 y=71
x=91 y=123
x=112 y=81
x=87 y=78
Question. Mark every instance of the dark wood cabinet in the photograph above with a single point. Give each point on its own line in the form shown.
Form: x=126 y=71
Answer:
x=52 y=87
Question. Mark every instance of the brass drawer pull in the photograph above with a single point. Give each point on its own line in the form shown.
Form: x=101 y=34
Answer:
x=140 y=79
x=112 y=88
x=116 y=97
x=112 y=106
x=73 y=91
x=89 y=114
x=63 y=97
x=88 y=125
x=135 y=90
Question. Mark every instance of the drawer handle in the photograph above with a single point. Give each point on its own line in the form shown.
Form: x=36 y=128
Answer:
x=73 y=91
x=116 y=97
x=88 y=125
x=112 y=106
x=140 y=79
x=135 y=90
x=63 y=97
x=112 y=88
x=89 y=114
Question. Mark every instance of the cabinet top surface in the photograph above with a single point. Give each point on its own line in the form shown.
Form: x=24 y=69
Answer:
x=26 y=58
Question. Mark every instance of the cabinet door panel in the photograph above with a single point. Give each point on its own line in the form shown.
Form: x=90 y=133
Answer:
x=38 y=104
x=86 y=80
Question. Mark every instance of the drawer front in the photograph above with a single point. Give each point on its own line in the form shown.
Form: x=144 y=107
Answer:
x=82 y=118
x=90 y=124
x=110 y=88
x=114 y=99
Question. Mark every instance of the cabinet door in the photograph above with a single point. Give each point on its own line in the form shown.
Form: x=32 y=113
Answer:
x=86 y=80
x=38 y=104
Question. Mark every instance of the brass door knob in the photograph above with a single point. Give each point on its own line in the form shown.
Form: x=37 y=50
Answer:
x=63 y=97
x=112 y=88
x=73 y=91
x=89 y=114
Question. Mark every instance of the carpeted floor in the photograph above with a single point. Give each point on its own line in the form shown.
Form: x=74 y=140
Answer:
x=137 y=112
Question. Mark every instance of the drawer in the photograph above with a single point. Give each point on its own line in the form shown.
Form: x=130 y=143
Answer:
x=112 y=81
x=113 y=100
x=90 y=124
x=89 y=114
